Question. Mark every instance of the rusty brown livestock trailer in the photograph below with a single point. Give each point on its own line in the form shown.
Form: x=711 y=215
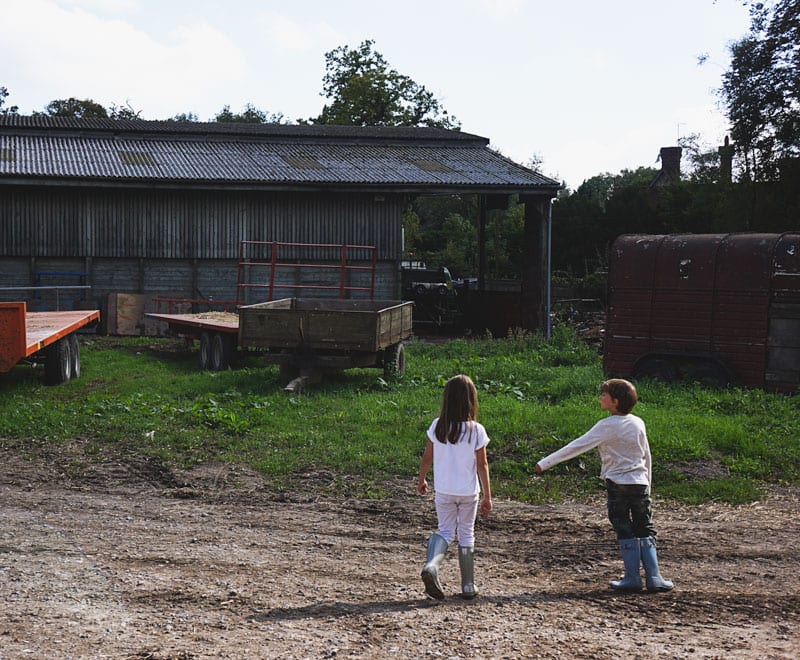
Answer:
x=707 y=307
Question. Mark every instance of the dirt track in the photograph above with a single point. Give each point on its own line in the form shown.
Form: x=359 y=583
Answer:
x=117 y=559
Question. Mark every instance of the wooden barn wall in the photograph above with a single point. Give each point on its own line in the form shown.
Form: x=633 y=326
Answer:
x=184 y=243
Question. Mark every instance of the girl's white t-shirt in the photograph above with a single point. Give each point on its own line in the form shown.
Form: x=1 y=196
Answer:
x=455 y=468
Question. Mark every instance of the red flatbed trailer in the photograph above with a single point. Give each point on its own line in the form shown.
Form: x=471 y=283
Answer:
x=48 y=337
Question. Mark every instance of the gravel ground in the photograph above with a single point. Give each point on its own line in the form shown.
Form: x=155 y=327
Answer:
x=116 y=558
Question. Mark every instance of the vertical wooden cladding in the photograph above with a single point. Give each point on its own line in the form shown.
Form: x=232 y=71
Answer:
x=159 y=224
x=49 y=223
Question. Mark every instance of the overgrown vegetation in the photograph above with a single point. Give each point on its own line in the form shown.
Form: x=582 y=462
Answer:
x=145 y=396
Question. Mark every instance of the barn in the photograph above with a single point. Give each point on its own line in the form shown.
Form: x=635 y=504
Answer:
x=163 y=209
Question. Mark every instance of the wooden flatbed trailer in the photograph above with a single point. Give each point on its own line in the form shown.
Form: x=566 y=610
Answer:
x=306 y=337
x=43 y=337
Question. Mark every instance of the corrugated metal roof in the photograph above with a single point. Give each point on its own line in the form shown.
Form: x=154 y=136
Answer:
x=112 y=151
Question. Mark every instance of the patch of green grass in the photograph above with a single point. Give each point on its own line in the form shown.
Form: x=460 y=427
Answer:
x=148 y=397
x=733 y=491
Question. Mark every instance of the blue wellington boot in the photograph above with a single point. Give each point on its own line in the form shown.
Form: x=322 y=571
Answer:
x=653 y=578
x=466 y=562
x=437 y=547
x=630 y=558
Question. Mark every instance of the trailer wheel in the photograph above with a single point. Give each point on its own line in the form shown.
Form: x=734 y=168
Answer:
x=221 y=351
x=659 y=369
x=708 y=373
x=288 y=372
x=204 y=354
x=394 y=360
x=58 y=362
x=75 y=356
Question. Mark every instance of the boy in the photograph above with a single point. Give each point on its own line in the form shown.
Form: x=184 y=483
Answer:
x=621 y=440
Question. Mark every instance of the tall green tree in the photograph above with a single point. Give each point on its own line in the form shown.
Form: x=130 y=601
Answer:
x=362 y=90
x=703 y=161
x=604 y=206
x=761 y=89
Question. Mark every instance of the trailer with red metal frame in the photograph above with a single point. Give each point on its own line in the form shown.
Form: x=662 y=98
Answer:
x=43 y=337
x=307 y=337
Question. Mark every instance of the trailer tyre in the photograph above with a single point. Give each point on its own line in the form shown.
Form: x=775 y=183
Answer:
x=708 y=373
x=394 y=360
x=204 y=355
x=74 y=356
x=659 y=369
x=58 y=362
x=221 y=352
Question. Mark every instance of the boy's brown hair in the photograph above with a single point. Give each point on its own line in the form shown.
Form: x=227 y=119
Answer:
x=623 y=391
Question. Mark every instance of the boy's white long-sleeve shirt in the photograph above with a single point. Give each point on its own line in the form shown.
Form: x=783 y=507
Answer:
x=624 y=450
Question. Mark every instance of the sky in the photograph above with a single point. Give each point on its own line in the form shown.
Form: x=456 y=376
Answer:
x=583 y=86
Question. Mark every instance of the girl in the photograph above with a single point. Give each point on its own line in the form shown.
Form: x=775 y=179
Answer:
x=457 y=450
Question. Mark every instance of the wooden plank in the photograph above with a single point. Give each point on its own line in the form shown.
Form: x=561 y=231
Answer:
x=347 y=325
x=45 y=328
x=203 y=321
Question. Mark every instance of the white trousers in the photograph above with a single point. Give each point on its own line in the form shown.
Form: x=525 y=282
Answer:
x=456 y=514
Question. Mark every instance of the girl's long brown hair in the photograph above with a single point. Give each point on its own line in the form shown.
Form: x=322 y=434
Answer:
x=459 y=405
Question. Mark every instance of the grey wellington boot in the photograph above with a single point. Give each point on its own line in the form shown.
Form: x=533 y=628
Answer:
x=630 y=558
x=437 y=547
x=653 y=578
x=466 y=562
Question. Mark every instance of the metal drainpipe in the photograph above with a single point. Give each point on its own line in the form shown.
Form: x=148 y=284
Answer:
x=547 y=323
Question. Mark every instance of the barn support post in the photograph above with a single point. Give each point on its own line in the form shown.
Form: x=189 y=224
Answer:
x=482 y=262
x=535 y=263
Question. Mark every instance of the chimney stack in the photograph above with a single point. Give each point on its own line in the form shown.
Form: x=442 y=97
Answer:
x=670 y=173
x=670 y=165
x=726 y=161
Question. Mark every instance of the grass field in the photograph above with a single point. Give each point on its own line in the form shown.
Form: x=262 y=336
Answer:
x=147 y=395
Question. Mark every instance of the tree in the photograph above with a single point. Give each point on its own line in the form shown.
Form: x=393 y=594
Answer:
x=10 y=110
x=761 y=89
x=603 y=206
x=250 y=115
x=363 y=91
x=124 y=112
x=73 y=107
x=704 y=162
x=185 y=117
